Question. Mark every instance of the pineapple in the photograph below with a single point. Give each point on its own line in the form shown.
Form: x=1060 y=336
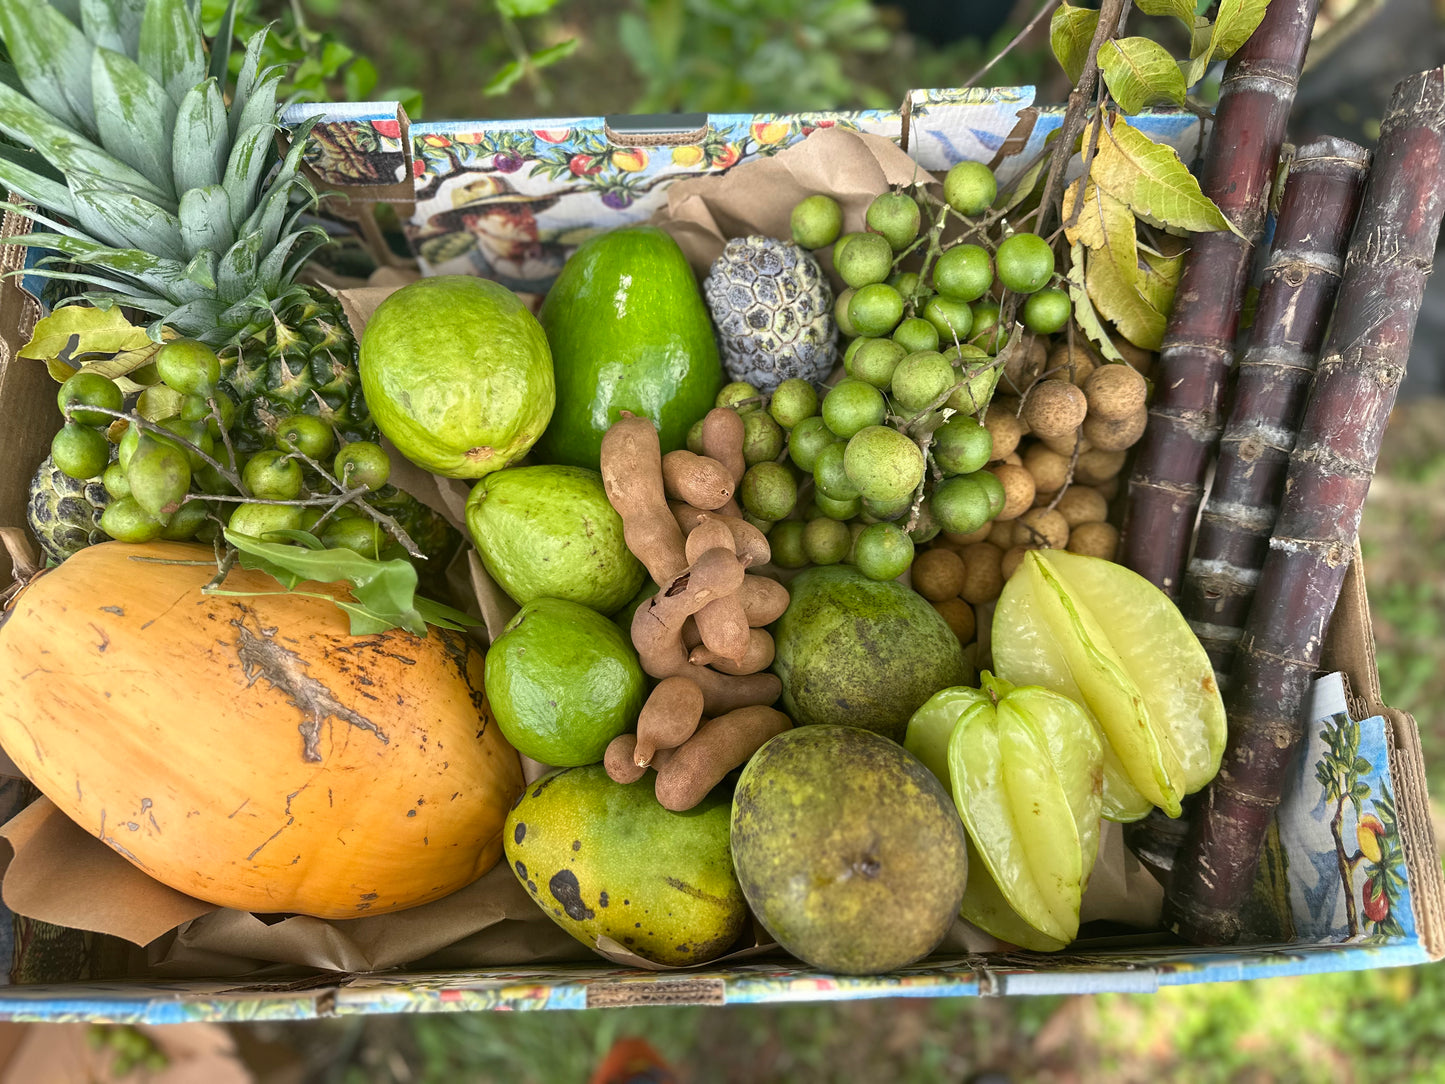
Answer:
x=166 y=198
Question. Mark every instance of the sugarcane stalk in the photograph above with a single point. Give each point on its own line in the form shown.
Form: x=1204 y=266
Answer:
x=1321 y=199
x=1185 y=418
x=1354 y=388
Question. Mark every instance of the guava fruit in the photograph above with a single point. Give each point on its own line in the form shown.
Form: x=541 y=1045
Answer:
x=862 y=652
x=629 y=330
x=549 y=532
x=563 y=681
x=605 y=859
x=848 y=849
x=457 y=374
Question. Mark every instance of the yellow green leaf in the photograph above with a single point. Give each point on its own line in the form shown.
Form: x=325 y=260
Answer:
x=1071 y=32
x=1180 y=9
x=1103 y=223
x=1140 y=72
x=1118 y=296
x=1153 y=182
x=1234 y=22
x=1158 y=278
x=73 y=331
x=1084 y=314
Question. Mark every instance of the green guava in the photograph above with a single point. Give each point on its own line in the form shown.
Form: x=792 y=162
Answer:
x=457 y=374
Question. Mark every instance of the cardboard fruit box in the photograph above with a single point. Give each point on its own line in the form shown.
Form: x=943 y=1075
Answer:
x=510 y=200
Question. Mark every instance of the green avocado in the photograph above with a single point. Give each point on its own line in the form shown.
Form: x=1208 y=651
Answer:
x=606 y=859
x=629 y=330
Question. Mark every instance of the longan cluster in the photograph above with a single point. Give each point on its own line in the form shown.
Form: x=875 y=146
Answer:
x=1061 y=422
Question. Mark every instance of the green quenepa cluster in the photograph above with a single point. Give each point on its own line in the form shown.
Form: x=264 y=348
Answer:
x=161 y=471
x=894 y=449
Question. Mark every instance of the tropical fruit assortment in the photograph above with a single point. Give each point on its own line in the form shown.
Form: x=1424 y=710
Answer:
x=752 y=524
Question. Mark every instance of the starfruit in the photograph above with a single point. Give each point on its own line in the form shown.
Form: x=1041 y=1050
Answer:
x=1024 y=766
x=1103 y=635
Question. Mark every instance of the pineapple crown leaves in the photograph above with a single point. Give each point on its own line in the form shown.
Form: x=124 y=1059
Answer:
x=172 y=203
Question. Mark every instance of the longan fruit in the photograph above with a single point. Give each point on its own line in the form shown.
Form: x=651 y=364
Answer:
x=1042 y=528
x=1064 y=445
x=1004 y=428
x=1072 y=363
x=1096 y=465
x=1001 y=534
x=938 y=574
x=1094 y=540
x=1115 y=392
x=1108 y=488
x=1018 y=489
x=1138 y=358
x=1011 y=404
x=1054 y=408
x=1012 y=559
x=1012 y=458
x=1026 y=364
x=969 y=539
x=1082 y=504
x=1115 y=434
x=983 y=579
x=959 y=616
x=1049 y=468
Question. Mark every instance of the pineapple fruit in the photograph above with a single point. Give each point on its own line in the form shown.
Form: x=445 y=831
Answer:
x=164 y=197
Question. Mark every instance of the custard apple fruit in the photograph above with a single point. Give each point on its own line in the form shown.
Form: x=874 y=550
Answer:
x=773 y=309
x=64 y=513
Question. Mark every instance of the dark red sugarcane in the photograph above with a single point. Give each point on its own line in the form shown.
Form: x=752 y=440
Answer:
x=1351 y=396
x=1167 y=482
x=1272 y=382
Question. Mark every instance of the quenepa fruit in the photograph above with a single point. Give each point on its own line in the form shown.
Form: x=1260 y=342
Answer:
x=458 y=374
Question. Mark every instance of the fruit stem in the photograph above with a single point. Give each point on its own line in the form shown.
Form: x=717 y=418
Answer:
x=145 y=425
x=392 y=526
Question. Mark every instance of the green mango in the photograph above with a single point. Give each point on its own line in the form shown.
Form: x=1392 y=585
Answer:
x=605 y=859
x=549 y=532
x=629 y=330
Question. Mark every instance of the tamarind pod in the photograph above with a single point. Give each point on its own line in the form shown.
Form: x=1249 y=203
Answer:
x=722 y=693
x=747 y=539
x=620 y=761
x=659 y=648
x=701 y=482
x=719 y=745
x=759 y=655
x=715 y=574
x=710 y=533
x=724 y=627
x=657 y=624
x=671 y=714
x=691 y=638
x=723 y=432
x=764 y=599
x=631 y=467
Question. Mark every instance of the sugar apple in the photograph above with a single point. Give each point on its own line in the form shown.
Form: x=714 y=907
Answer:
x=64 y=514
x=773 y=309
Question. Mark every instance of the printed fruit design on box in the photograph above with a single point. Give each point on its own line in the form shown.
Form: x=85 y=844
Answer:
x=743 y=531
